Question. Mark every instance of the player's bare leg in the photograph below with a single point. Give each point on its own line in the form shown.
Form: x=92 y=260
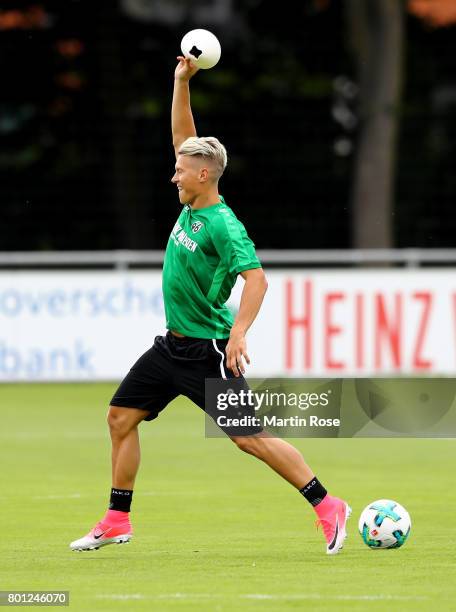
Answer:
x=123 y=427
x=115 y=526
x=282 y=457
x=287 y=461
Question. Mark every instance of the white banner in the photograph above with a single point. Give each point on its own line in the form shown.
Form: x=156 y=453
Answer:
x=357 y=323
x=94 y=325
x=76 y=325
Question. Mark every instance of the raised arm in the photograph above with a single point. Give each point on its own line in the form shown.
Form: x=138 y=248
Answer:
x=182 y=124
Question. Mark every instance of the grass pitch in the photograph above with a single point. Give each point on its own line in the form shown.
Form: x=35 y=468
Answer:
x=214 y=529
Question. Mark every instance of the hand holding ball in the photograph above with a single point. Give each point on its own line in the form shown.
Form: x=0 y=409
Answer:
x=202 y=47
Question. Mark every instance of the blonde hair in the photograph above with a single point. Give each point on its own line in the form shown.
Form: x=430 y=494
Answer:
x=207 y=147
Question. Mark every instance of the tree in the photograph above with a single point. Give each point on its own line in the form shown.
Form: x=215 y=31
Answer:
x=376 y=35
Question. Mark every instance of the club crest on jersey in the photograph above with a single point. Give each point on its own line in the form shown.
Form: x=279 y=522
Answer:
x=196 y=226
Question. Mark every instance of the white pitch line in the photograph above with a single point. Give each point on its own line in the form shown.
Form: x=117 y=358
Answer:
x=72 y=496
x=264 y=596
x=139 y=494
x=337 y=597
x=129 y=596
x=39 y=435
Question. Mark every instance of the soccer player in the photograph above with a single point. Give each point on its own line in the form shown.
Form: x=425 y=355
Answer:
x=207 y=249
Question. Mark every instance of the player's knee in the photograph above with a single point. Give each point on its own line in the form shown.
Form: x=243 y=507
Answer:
x=118 y=421
x=248 y=444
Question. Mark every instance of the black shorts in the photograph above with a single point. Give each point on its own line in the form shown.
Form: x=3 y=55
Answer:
x=174 y=366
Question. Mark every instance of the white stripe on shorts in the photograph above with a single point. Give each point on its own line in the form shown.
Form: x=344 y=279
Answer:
x=222 y=369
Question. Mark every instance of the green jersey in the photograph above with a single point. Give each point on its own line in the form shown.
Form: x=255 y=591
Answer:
x=206 y=251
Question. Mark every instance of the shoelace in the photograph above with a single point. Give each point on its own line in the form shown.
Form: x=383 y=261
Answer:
x=103 y=527
x=100 y=529
x=328 y=528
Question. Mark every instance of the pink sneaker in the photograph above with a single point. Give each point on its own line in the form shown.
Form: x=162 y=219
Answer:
x=333 y=521
x=103 y=534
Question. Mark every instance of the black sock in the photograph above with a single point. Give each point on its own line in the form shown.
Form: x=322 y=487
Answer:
x=314 y=491
x=120 y=500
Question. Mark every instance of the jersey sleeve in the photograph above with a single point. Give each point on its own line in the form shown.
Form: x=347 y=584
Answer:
x=232 y=244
